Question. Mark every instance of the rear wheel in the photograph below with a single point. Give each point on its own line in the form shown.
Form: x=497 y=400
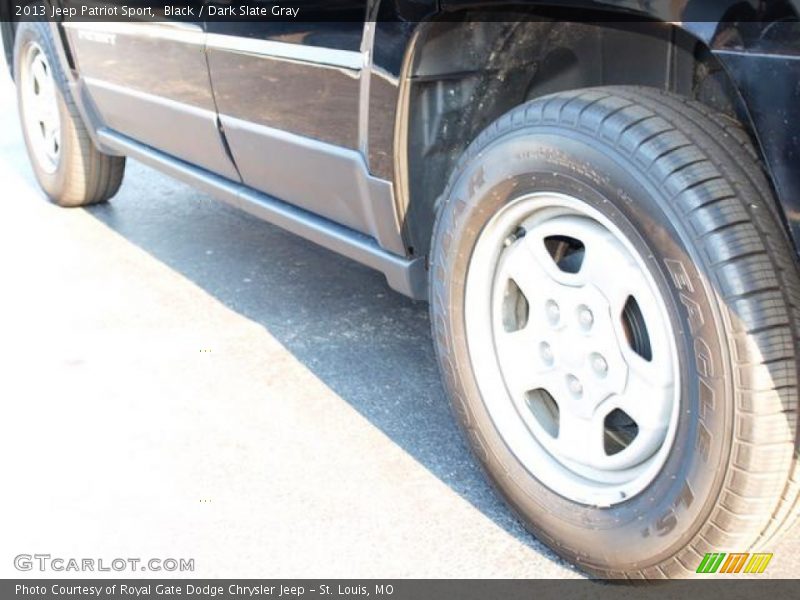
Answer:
x=70 y=169
x=614 y=304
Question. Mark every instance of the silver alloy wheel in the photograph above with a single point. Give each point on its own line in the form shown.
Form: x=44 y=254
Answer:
x=40 y=108
x=572 y=348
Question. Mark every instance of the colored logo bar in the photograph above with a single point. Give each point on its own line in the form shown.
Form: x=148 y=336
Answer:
x=736 y=562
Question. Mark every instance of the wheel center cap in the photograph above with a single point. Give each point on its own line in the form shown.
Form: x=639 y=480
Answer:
x=586 y=365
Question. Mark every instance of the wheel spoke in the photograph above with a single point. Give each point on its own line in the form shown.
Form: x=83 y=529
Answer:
x=580 y=439
x=605 y=267
x=40 y=75
x=50 y=110
x=648 y=394
x=648 y=400
x=534 y=243
x=525 y=361
x=530 y=275
x=38 y=103
x=51 y=142
x=533 y=280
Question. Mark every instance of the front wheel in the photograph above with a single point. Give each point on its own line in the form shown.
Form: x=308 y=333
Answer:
x=68 y=166
x=614 y=309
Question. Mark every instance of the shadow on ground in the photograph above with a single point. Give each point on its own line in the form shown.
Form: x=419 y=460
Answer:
x=367 y=343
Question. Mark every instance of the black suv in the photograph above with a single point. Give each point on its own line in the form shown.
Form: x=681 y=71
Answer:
x=600 y=201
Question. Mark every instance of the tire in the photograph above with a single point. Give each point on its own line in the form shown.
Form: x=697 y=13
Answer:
x=69 y=168
x=681 y=188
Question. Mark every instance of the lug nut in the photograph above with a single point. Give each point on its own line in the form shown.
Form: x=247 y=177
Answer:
x=553 y=312
x=599 y=364
x=575 y=386
x=585 y=317
x=546 y=352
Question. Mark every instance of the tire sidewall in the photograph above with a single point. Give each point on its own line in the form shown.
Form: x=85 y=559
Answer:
x=662 y=519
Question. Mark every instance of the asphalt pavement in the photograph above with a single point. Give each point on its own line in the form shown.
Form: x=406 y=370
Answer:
x=181 y=380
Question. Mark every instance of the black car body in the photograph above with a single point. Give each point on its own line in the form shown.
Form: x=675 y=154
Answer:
x=378 y=99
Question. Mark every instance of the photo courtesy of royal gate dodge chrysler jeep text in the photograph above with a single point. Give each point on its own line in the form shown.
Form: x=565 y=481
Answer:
x=602 y=210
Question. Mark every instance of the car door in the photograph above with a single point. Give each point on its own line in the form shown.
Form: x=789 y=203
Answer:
x=149 y=81
x=288 y=95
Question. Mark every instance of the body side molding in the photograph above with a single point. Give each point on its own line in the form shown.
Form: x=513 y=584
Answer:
x=407 y=276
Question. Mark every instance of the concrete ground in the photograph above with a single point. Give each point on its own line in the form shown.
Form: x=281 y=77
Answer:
x=180 y=380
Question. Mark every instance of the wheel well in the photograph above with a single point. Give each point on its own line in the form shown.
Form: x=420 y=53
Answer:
x=451 y=96
x=8 y=32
